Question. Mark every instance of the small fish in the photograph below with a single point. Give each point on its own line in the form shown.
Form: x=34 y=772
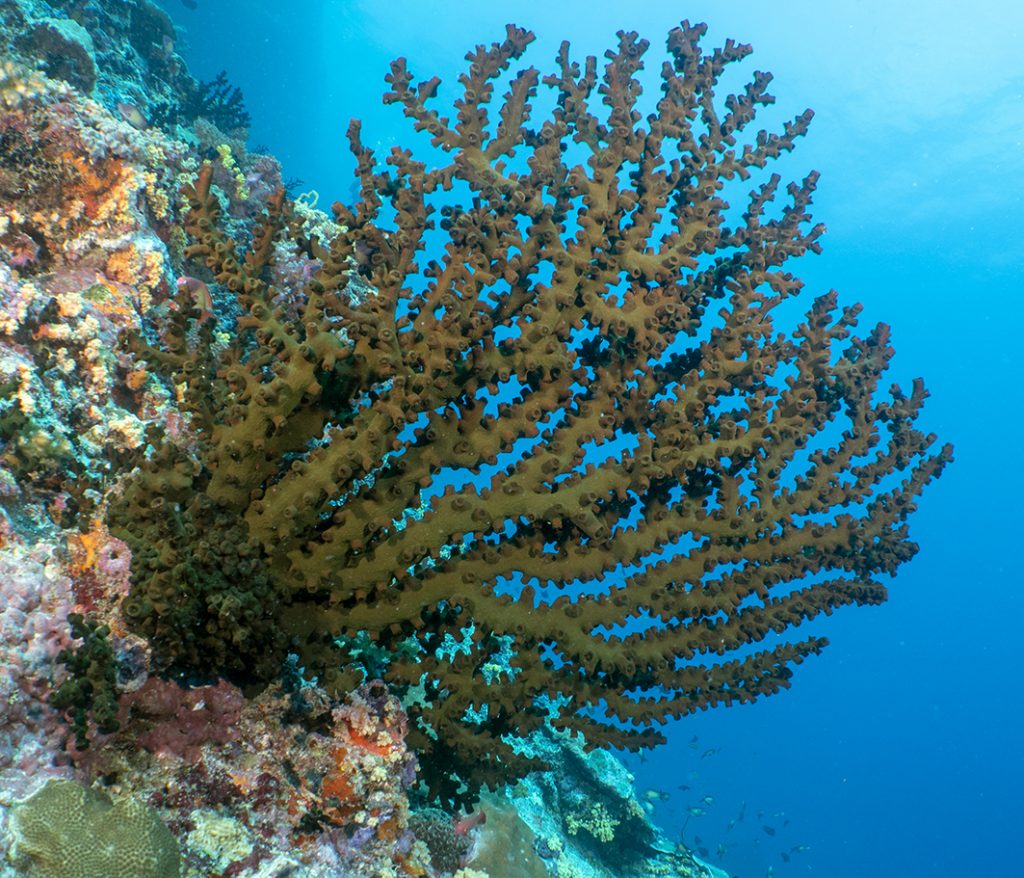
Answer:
x=703 y=852
x=464 y=824
x=693 y=743
x=769 y=873
x=199 y=293
x=800 y=849
x=708 y=800
x=721 y=850
x=711 y=751
x=683 y=786
x=656 y=795
x=784 y=857
x=697 y=812
x=190 y=4
x=768 y=830
x=132 y=115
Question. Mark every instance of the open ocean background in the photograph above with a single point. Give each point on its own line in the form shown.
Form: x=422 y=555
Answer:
x=898 y=752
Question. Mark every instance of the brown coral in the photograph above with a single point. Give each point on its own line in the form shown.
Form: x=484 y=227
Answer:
x=543 y=458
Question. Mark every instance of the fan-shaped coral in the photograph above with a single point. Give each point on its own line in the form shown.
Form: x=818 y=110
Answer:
x=568 y=464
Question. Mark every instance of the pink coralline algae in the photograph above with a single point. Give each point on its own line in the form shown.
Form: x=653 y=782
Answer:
x=294 y=777
x=180 y=721
x=35 y=599
x=100 y=566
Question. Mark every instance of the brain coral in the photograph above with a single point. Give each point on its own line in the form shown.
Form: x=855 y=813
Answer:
x=68 y=831
x=436 y=830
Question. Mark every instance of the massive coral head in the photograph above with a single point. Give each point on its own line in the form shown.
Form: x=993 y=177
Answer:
x=568 y=468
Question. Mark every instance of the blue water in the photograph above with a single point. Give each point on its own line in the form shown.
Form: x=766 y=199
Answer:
x=898 y=751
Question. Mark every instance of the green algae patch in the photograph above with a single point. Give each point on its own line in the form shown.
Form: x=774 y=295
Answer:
x=66 y=830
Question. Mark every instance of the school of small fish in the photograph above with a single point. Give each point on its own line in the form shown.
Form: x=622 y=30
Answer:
x=771 y=824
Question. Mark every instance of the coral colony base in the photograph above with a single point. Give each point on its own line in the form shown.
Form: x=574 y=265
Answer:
x=348 y=545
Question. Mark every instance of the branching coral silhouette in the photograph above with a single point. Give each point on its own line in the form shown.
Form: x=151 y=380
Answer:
x=557 y=462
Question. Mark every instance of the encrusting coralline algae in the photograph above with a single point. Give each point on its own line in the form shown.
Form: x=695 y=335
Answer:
x=225 y=416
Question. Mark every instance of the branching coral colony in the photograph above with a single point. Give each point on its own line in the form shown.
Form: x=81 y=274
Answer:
x=739 y=481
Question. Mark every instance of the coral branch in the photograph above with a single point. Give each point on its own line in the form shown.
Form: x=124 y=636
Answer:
x=570 y=465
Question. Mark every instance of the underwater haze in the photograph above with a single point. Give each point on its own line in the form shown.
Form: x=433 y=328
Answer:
x=897 y=752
